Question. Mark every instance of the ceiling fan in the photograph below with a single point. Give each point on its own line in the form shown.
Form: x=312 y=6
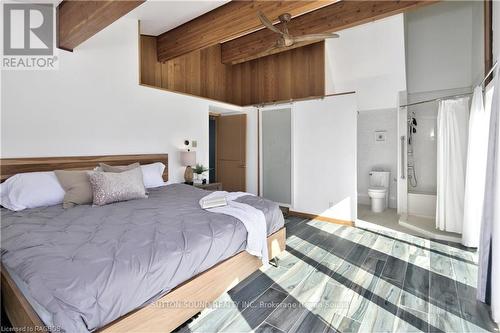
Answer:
x=285 y=39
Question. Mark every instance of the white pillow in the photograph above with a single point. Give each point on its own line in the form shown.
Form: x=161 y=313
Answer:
x=31 y=190
x=152 y=174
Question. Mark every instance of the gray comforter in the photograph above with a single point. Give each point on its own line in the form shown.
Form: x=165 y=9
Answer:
x=87 y=266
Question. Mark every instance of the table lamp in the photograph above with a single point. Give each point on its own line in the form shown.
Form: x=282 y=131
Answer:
x=188 y=158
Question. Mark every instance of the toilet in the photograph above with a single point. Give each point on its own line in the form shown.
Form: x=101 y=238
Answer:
x=378 y=191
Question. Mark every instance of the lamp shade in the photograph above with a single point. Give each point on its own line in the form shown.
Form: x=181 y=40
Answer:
x=188 y=158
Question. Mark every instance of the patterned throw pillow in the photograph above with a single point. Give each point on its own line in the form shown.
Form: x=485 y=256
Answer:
x=108 y=187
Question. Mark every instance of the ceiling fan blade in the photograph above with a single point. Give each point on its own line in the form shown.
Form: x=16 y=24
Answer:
x=312 y=37
x=268 y=24
x=268 y=51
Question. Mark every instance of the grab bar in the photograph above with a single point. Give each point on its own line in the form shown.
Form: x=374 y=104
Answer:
x=403 y=168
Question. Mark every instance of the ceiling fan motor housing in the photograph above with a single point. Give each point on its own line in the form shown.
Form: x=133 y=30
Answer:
x=286 y=17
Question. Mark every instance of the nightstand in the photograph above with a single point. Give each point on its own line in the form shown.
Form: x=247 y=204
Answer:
x=210 y=187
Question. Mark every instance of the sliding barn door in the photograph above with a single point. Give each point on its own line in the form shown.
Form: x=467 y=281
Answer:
x=231 y=152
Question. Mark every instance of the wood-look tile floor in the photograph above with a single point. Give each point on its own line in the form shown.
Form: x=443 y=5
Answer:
x=335 y=278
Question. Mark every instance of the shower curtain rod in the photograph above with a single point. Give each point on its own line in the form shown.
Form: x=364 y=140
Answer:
x=436 y=99
x=453 y=96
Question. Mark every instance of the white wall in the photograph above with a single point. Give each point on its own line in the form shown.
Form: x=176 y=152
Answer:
x=370 y=60
x=444 y=46
x=93 y=105
x=377 y=155
x=324 y=144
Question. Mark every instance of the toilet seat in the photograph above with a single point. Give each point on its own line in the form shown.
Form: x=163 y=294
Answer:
x=377 y=189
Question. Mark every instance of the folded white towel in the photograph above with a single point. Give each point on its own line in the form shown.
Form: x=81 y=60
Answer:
x=213 y=202
x=216 y=195
x=252 y=218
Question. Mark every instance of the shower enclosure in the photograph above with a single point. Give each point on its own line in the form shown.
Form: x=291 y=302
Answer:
x=417 y=160
x=422 y=159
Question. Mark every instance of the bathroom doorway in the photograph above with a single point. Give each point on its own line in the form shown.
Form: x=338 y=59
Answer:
x=397 y=169
x=377 y=168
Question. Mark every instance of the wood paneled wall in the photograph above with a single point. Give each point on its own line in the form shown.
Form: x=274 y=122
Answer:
x=297 y=73
x=150 y=67
x=294 y=74
x=199 y=73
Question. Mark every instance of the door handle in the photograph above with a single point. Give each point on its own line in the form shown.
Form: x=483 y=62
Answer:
x=242 y=166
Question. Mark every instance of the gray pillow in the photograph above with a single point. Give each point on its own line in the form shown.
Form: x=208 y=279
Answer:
x=108 y=187
x=120 y=168
x=76 y=184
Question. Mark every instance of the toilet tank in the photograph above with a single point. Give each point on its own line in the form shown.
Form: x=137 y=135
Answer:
x=380 y=178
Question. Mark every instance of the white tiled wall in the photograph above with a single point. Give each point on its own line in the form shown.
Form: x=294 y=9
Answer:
x=424 y=149
x=372 y=154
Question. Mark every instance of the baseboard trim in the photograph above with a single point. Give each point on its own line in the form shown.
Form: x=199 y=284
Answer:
x=320 y=218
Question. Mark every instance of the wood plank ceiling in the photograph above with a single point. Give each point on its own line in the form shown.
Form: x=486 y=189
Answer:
x=231 y=20
x=79 y=20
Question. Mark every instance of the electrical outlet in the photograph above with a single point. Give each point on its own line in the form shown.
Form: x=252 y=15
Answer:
x=194 y=143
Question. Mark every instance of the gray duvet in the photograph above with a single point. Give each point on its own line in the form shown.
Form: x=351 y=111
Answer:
x=87 y=266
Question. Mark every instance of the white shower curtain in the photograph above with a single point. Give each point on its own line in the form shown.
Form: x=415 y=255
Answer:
x=475 y=179
x=489 y=247
x=451 y=154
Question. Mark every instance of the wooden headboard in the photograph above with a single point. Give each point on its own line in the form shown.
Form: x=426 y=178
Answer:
x=12 y=166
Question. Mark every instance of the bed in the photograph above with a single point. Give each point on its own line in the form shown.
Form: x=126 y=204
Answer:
x=140 y=265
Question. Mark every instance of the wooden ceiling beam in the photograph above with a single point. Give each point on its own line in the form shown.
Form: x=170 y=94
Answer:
x=80 y=20
x=338 y=16
x=231 y=20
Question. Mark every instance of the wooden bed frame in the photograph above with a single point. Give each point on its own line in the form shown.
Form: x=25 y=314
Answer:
x=167 y=313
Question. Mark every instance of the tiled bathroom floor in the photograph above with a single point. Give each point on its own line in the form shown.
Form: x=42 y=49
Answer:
x=387 y=219
x=427 y=227
x=390 y=219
